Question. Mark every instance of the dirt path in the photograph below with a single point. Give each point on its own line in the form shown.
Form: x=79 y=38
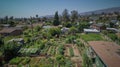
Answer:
x=76 y=51
x=67 y=53
x=49 y=50
x=85 y=43
x=77 y=61
x=56 y=50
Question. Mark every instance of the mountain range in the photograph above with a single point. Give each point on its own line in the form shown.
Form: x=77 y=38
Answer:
x=107 y=10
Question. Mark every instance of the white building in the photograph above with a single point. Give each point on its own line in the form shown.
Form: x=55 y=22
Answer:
x=91 y=31
x=64 y=30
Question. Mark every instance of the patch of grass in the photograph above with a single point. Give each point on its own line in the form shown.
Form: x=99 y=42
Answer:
x=112 y=36
x=91 y=37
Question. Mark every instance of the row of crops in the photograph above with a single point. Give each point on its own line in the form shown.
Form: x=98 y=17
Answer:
x=39 y=62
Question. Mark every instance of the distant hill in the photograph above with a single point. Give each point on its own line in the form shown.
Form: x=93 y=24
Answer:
x=107 y=10
x=47 y=16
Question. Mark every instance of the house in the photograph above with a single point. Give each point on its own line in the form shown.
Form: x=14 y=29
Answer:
x=5 y=25
x=65 y=30
x=20 y=26
x=104 y=54
x=113 y=30
x=11 y=31
x=47 y=27
x=98 y=26
x=91 y=22
x=91 y=31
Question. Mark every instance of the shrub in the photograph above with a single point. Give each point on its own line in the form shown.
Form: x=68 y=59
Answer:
x=26 y=60
x=54 y=31
x=61 y=49
x=112 y=36
x=16 y=60
x=70 y=39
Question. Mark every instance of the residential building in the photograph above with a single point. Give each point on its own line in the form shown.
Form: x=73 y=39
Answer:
x=91 y=31
x=65 y=30
x=5 y=25
x=11 y=31
x=98 y=26
x=113 y=30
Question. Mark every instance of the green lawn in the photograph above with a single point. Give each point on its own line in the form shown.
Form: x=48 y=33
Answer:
x=91 y=37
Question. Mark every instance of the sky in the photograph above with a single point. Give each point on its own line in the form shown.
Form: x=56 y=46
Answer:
x=27 y=8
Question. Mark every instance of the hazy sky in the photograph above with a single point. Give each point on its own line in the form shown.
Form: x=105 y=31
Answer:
x=27 y=8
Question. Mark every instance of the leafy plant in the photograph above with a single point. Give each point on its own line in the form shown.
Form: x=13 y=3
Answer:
x=71 y=52
x=16 y=60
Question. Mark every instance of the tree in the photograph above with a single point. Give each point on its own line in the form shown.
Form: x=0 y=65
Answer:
x=56 y=19
x=73 y=30
x=83 y=25
x=11 y=18
x=37 y=28
x=10 y=50
x=6 y=19
x=67 y=24
x=1 y=41
x=60 y=59
x=111 y=24
x=36 y=15
x=65 y=16
x=44 y=18
x=74 y=15
x=12 y=23
x=55 y=31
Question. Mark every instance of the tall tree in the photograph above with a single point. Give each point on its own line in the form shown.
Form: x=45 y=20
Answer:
x=65 y=15
x=73 y=30
x=74 y=15
x=36 y=15
x=56 y=19
x=11 y=18
x=6 y=19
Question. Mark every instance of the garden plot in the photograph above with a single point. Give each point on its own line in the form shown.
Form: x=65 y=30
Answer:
x=69 y=50
x=52 y=51
x=28 y=51
x=67 y=53
x=76 y=51
x=74 y=54
x=44 y=51
x=19 y=61
x=34 y=61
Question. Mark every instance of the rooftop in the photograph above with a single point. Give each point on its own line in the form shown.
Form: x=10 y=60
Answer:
x=109 y=52
x=47 y=27
x=99 y=24
x=113 y=29
x=9 y=30
x=91 y=30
